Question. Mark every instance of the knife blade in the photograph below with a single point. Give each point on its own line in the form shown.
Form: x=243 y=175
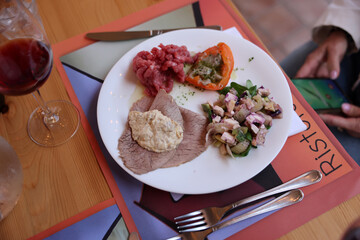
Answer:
x=129 y=35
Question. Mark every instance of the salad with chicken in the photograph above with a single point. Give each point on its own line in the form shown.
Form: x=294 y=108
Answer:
x=240 y=119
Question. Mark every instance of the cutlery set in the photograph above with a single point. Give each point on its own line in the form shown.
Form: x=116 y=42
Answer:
x=199 y=224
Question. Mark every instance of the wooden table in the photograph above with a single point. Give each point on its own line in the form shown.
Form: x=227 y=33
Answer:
x=63 y=181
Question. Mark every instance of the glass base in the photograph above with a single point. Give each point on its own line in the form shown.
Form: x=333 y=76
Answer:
x=11 y=178
x=57 y=129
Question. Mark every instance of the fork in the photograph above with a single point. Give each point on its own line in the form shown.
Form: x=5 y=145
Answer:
x=287 y=199
x=212 y=215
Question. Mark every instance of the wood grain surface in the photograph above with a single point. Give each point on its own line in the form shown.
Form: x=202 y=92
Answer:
x=62 y=181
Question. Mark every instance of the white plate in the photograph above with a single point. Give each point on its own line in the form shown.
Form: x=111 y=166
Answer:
x=209 y=172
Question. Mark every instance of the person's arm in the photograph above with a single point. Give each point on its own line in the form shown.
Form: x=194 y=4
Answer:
x=340 y=15
x=325 y=60
x=336 y=32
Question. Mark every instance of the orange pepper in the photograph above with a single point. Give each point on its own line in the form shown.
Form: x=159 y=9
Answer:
x=225 y=71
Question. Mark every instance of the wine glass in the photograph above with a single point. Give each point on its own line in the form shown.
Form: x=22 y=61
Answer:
x=25 y=64
x=11 y=178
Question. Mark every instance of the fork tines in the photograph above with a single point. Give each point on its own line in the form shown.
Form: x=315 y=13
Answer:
x=190 y=218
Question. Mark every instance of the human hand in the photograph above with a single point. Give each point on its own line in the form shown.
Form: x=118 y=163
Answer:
x=350 y=123
x=325 y=60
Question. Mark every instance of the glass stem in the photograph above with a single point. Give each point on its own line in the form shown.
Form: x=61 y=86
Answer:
x=49 y=116
x=3 y=107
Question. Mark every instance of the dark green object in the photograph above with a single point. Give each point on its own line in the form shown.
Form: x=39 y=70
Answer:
x=207 y=108
x=252 y=89
x=3 y=107
x=324 y=95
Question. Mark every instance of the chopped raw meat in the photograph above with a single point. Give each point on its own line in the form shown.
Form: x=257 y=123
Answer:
x=157 y=69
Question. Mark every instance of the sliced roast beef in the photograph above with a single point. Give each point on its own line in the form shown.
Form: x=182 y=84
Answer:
x=167 y=106
x=143 y=104
x=136 y=158
x=140 y=160
x=194 y=141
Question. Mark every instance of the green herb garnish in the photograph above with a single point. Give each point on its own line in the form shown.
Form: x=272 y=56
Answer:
x=239 y=135
x=244 y=153
x=207 y=109
x=240 y=89
x=225 y=90
x=248 y=136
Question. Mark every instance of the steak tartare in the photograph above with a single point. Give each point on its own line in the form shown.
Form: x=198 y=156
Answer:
x=158 y=68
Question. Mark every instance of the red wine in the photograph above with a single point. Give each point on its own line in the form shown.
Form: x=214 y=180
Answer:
x=25 y=64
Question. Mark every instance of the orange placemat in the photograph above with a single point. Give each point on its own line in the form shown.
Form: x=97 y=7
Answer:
x=315 y=148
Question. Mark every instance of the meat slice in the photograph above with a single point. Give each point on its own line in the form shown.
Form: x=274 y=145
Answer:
x=136 y=158
x=167 y=106
x=140 y=160
x=143 y=104
x=194 y=141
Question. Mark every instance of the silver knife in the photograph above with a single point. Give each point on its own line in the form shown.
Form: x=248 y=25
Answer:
x=129 y=35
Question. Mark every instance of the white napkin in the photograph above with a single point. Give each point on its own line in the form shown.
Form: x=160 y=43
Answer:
x=296 y=127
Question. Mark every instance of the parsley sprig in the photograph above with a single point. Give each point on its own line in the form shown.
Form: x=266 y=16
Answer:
x=240 y=89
